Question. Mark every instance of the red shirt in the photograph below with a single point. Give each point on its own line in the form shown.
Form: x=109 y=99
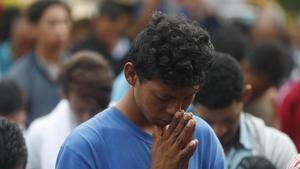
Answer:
x=289 y=114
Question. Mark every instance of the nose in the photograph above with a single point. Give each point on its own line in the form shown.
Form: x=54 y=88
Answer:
x=220 y=130
x=62 y=28
x=173 y=107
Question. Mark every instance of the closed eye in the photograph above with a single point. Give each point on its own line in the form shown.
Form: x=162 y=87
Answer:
x=163 y=98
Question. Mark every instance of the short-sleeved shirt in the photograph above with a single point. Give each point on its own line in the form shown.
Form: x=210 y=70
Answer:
x=255 y=138
x=111 y=141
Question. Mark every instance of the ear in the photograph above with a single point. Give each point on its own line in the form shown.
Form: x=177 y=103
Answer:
x=130 y=74
x=247 y=93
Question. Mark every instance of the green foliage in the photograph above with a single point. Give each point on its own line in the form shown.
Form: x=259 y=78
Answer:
x=291 y=5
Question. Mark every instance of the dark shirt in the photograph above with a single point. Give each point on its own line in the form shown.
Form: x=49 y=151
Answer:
x=41 y=93
x=95 y=44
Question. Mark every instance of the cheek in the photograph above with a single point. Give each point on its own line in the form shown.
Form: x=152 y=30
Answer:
x=45 y=34
x=150 y=106
x=46 y=28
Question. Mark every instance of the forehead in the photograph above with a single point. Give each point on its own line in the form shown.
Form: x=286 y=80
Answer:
x=55 y=11
x=218 y=114
x=159 y=86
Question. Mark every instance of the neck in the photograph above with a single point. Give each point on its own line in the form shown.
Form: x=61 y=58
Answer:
x=51 y=56
x=129 y=109
x=227 y=149
x=233 y=142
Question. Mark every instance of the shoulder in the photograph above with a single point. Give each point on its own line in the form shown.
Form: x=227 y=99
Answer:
x=202 y=128
x=278 y=138
x=85 y=143
x=270 y=134
x=35 y=135
x=38 y=127
x=209 y=145
x=207 y=136
x=293 y=96
x=270 y=141
x=21 y=70
x=92 y=130
x=23 y=63
x=49 y=121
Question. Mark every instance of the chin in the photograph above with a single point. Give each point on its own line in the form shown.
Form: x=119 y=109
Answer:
x=225 y=143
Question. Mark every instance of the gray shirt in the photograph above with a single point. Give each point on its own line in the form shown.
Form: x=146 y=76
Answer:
x=41 y=93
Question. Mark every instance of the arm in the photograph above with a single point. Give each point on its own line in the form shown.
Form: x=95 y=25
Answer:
x=33 y=139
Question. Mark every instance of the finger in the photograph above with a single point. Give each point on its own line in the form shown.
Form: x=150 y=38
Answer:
x=188 y=151
x=180 y=126
x=157 y=132
x=186 y=135
x=178 y=115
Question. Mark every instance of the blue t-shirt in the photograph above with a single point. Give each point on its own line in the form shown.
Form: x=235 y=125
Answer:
x=110 y=141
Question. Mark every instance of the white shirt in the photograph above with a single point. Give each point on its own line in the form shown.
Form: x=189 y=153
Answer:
x=260 y=140
x=46 y=134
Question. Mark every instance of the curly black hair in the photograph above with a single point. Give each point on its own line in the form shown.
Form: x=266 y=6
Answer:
x=223 y=84
x=36 y=10
x=13 y=152
x=269 y=59
x=172 y=49
x=11 y=97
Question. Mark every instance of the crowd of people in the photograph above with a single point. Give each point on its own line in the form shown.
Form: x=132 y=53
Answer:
x=157 y=84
